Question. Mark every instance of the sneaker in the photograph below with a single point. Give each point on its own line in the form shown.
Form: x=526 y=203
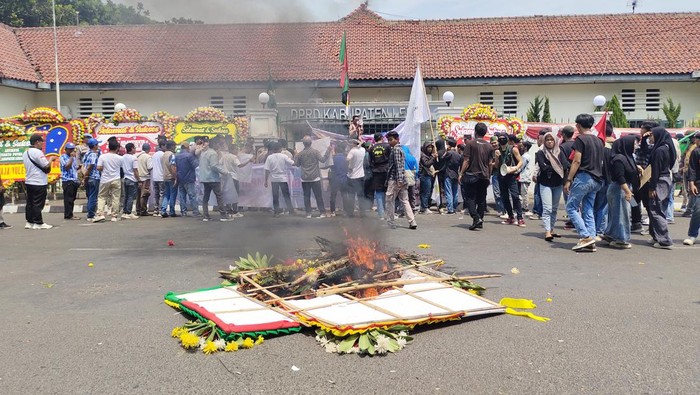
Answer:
x=239 y=215
x=534 y=217
x=651 y=242
x=645 y=221
x=621 y=245
x=598 y=239
x=503 y=216
x=114 y=219
x=98 y=218
x=320 y=216
x=391 y=225
x=126 y=216
x=521 y=223
x=28 y=226
x=332 y=213
x=644 y=232
x=428 y=211
x=164 y=215
x=590 y=248
x=156 y=214
x=689 y=241
x=175 y=216
x=308 y=216
x=662 y=246
x=226 y=220
x=42 y=226
x=583 y=243
x=5 y=226
x=528 y=213
x=606 y=238
x=413 y=226
x=477 y=224
x=91 y=220
x=509 y=221
x=133 y=216
x=206 y=219
x=687 y=214
x=450 y=213
x=382 y=218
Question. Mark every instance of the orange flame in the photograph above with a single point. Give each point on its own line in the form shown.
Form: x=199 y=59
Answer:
x=366 y=254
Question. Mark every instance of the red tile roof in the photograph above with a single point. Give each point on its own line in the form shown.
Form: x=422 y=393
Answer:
x=536 y=46
x=14 y=63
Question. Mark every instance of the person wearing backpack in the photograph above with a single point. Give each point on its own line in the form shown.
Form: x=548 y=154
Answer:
x=37 y=168
x=379 y=163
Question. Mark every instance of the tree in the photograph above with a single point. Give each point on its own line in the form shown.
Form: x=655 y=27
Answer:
x=31 y=13
x=618 y=118
x=546 y=116
x=672 y=112
x=533 y=113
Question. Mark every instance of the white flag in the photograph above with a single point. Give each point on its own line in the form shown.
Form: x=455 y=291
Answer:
x=417 y=112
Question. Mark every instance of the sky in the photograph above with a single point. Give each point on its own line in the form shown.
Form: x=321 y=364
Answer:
x=238 y=11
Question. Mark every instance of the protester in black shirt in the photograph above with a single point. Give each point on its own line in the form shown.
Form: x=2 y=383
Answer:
x=474 y=173
x=452 y=161
x=379 y=163
x=425 y=172
x=661 y=159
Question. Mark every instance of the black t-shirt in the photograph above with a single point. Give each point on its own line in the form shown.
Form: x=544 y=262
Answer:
x=479 y=153
x=592 y=154
x=453 y=161
x=566 y=147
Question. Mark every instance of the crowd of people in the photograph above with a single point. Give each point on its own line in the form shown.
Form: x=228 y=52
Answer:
x=603 y=182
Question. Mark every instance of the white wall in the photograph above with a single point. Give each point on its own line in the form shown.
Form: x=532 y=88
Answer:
x=14 y=101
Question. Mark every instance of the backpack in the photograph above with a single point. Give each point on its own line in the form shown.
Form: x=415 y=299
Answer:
x=380 y=154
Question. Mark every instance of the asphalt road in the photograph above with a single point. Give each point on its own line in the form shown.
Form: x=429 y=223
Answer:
x=621 y=321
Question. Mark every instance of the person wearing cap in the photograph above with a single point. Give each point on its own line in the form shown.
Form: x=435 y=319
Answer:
x=92 y=177
x=36 y=179
x=145 y=166
x=693 y=176
x=69 y=180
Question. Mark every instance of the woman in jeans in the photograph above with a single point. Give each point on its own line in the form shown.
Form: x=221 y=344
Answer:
x=661 y=159
x=553 y=166
x=427 y=160
x=623 y=176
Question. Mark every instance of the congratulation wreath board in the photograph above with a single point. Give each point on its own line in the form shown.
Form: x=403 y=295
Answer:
x=359 y=298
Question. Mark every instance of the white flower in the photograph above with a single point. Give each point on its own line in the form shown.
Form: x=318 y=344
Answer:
x=323 y=340
x=231 y=268
x=220 y=344
x=331 y=347
x=382 y=344
x=402 y=342
x=202 y=342
x=403 y=334
x=354 y=350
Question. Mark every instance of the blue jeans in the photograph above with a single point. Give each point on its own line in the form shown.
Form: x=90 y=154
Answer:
x=188 y=198
x=619 y=214
x=169 y=196
x=582 y=195
x=537 y=205
x=451 y=191
x=694 y=227
x=380 y=198
x=550 y=197
x=601 y=209
x=426 y=190
x=669 y=210
x=497 y=194
x=93 y=186
x=130 y=188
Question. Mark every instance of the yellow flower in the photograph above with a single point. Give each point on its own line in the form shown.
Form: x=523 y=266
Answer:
x=189 y=340
x=298 y=260
x=231 y=346
x=248 y=343
x=423 y=246
x=209 y=347
x=259 y=340
x=177 y=331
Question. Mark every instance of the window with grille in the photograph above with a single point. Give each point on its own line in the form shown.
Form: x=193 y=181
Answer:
x=88 y=106
x=628 y=99
x=505 y=103
x=653 y=99
x=232 y=106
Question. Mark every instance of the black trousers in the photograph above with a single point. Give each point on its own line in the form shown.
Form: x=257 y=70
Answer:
x=36 y=199
x=510 y=194
x=276 y=188
x=475 y=197
x=641 y=195
x=70 y=191
x=215 y=187
x=314 y=186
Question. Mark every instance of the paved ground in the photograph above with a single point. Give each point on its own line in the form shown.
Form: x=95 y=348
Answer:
x=622 y=321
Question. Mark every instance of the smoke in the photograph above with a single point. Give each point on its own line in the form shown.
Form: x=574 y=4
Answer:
x=247 y=11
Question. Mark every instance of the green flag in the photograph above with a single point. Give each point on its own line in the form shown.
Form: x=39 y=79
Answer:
x=344 y=77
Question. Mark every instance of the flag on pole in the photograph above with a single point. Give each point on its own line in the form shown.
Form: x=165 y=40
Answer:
x=600 y=127
x=344 y=76
x=417 y=113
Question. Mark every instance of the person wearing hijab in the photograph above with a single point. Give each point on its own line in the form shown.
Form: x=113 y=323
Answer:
x=623 y=178
x=661 y=159
x=427 y=160
x=553 y=166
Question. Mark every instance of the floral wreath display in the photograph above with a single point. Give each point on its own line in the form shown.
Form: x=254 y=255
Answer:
x=93 y=120
x=126 y=115
x=10 y=129
x=517 y=126
x=206 y=114
x=167 y=120
x=242 y=127
x=445 y=124
x=78 y=127
x=43 y=115
x=479 y=112
x=369 y=315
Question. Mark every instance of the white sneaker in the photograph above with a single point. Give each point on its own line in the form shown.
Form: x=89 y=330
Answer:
x=42 y=226
x=98 y=218
x=645 y=221
x=504 y=216
x=28 y=226
x=237 y=215
x=689 y=241
x=114 y=219
x=226 y=220
x=90 y=220
x=133 y=216
x=308 y=216
x=322 y=216
x=126 y=216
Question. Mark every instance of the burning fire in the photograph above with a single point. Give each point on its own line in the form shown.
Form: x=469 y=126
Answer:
x=366 y=254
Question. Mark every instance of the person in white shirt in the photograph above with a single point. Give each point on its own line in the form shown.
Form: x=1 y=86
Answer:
x=277 y=169
x=130 y=167
x=145 y=166
x=157 y=176
x=36 y=179
x=110 y=184
x=356 y=179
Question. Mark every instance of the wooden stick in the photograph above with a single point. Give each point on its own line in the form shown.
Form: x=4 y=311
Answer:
x=411 y=266
x=337 y=290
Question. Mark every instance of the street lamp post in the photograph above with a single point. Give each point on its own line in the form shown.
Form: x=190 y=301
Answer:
x=264 y=98
x=55 y=53
x=448 y=97
x=599 y=101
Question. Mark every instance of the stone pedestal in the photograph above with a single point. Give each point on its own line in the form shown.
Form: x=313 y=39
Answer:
x=263 y=124
x=450 y=111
